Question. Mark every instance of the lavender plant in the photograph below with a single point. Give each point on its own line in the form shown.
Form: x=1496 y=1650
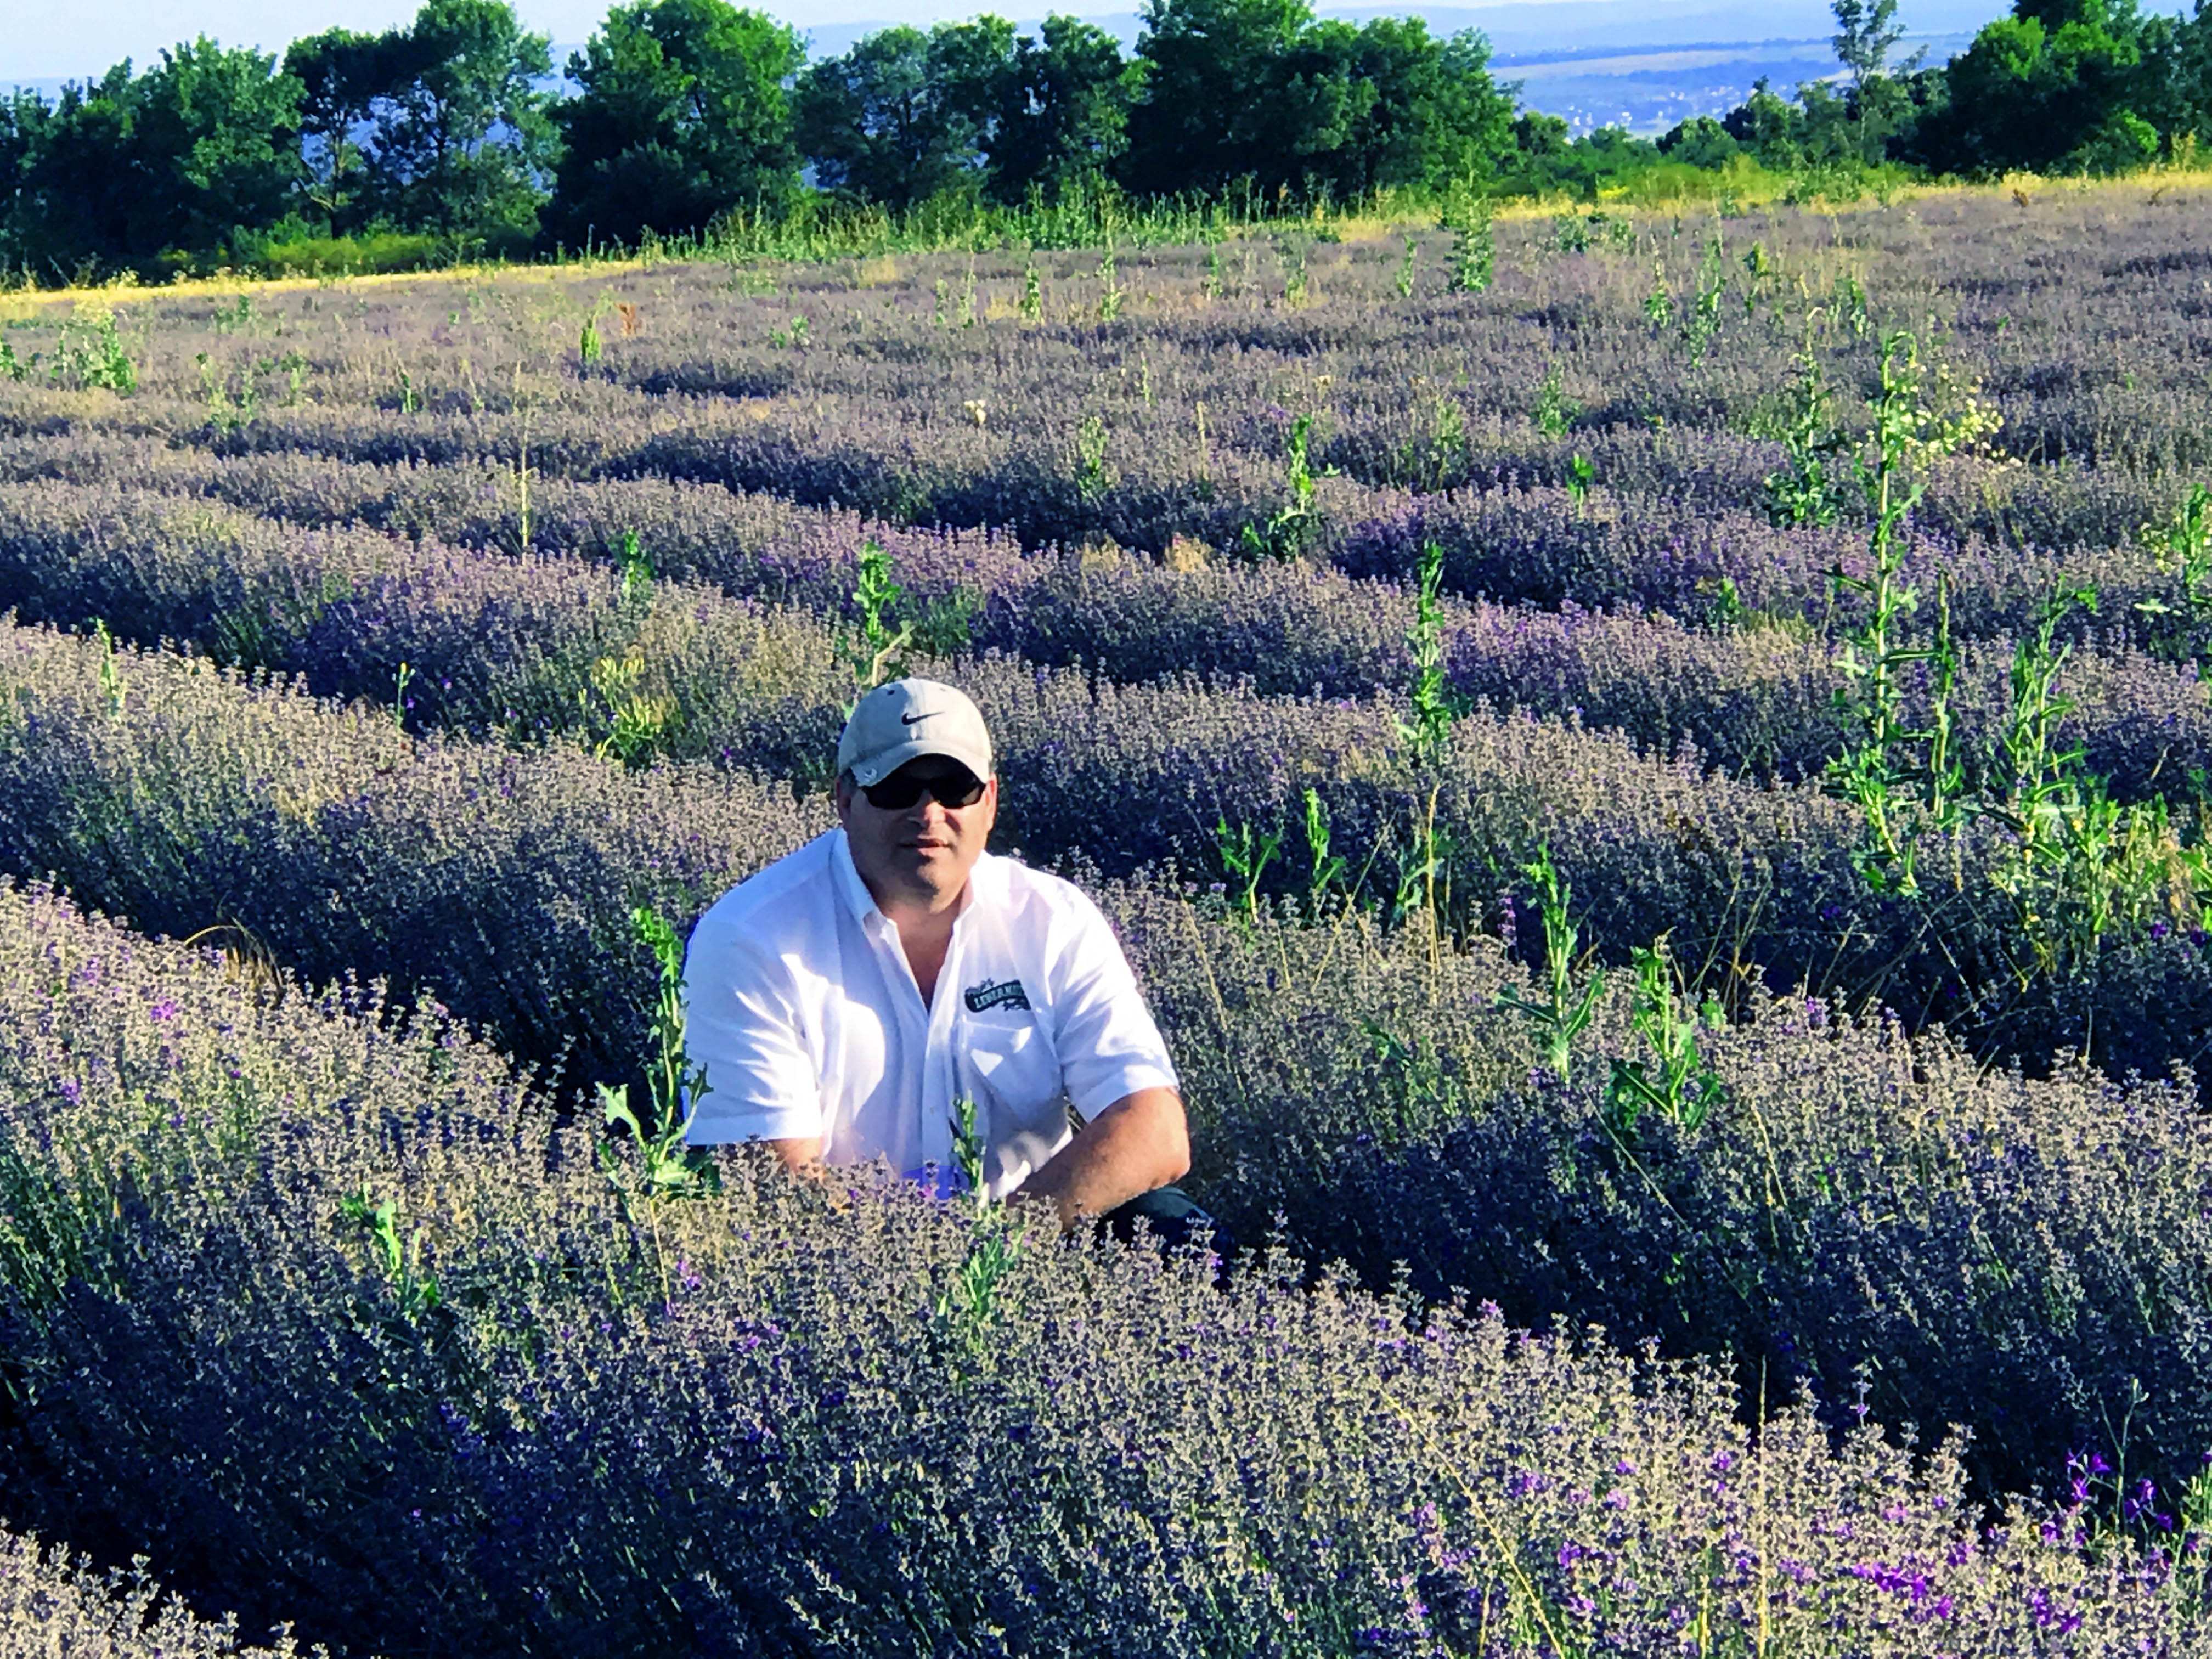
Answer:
x=1802 y=1192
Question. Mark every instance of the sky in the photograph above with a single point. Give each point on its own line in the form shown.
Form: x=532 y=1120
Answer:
x=42 y=40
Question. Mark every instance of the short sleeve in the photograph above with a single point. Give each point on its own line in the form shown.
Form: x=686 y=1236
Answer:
x=742 y=1027
x=1109 y=1046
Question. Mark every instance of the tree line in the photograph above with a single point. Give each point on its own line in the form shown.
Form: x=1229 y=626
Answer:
x=683 y=112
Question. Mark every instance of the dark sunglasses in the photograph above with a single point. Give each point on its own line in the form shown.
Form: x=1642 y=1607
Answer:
x=900 y=790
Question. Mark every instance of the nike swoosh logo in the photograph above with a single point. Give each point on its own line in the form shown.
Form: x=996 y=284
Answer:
x=908 y=720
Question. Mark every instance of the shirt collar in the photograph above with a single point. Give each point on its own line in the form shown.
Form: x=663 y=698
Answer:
x=986 y=881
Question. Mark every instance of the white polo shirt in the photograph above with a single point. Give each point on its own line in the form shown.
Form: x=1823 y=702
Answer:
x=802 y=1009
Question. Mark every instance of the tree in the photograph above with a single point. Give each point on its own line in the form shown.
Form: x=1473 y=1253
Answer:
x=1866 y=33
x=217 y=143
x=182 y=159
x=464 y=141
x=1466 y=117
x=1063 y=112
x=2051 y=87
x=683 y=115
x=1767 y=126
x=341 y=74
x=886 y=123
x=1213 y=111
x=1260 y=90
x=1700 y=141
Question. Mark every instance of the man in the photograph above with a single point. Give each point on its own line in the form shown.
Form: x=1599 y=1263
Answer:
x=843 y=999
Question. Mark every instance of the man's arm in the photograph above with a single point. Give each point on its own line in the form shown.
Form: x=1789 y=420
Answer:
x=1139 y=1142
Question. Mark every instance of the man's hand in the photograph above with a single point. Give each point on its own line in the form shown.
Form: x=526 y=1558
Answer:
x=1139 y=1142
x=802 y=1158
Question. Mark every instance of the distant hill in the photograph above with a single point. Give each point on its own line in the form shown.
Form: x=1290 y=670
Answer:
x=1533 y=29
x=1644 y=64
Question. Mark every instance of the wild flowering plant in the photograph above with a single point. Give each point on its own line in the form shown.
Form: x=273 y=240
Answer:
x=1903 y=779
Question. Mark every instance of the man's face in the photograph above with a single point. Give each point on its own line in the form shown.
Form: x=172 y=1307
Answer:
x=918 y=853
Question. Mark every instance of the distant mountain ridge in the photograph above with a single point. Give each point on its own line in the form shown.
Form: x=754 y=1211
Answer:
x=1529 y=28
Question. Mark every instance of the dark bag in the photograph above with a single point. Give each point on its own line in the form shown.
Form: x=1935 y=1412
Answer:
x=1172 y=1218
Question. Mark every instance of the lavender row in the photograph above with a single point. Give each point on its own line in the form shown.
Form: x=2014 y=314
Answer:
x=988 y=425
x=885 y=337
x=52 y=1601
x=195 y=803
x=1702 y=562
x=499 y=885
x=493 y=642
x=2008 y=1253
x=1124 y=777
x=1132 y=1450
x=1511 y=531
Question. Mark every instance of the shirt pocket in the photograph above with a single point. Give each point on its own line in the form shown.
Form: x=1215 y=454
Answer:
x=1014 y=1074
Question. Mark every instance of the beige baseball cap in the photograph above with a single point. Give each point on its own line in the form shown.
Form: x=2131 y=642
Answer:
x=907 y=719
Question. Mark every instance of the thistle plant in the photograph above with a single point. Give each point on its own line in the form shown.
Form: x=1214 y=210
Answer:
x=1292 y=254
x=1474 y=248
x=636 y=566
x=1110 y=294
x=294 y=365
x=1901 y=778
x=1283 y=536
x=1704 y=321
x=1564 y=1010
x=658 y=1164
x=114 y=690
x=1851 y=305
x=225 y=414
x=1032 y=304
x=1659 y=303
x=968 y=1308
x=1555 y=411
x=588 y=348
x=1580 y=474
x=633 y=727
x=2182 y=547
x=2081 y=866
x=90 y=356
x=1405 y=282
x=1813 y=485
x=1434 y=461
x=1245 y=855
x=1675 y=1082
x=1093 y=478
x=1324 y=870
x=875 y=650
x=400 y=1260
x=1433 y=705
x=1759 y=268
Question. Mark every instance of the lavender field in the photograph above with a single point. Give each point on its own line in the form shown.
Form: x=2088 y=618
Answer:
x=1655 y=772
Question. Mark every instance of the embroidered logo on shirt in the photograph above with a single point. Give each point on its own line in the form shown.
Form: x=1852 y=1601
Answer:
x=992 y=994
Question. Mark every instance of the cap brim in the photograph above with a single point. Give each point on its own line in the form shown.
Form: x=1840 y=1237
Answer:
x=877 y=768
